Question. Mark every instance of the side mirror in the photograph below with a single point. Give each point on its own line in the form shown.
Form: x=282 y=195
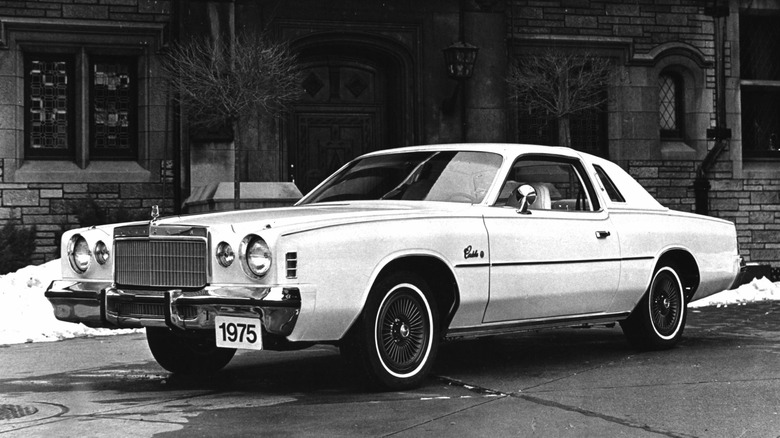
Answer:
x=525 y=196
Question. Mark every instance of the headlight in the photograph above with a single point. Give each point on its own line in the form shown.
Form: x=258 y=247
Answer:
x=78 y=253
x=225 y=254
x=101 y=253
x=256 y=255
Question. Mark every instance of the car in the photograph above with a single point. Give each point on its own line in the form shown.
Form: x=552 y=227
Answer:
x=398 y=251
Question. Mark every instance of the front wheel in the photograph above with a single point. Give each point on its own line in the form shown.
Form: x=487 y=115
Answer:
x=658 y=320
x=395 y=340
x=185 y=353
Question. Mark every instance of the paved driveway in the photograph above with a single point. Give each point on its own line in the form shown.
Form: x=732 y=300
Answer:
x=721 y=381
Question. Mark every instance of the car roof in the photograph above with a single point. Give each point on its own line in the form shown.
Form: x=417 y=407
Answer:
x=507 y=149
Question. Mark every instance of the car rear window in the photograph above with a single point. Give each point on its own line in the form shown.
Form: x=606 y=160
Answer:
x=606 y=182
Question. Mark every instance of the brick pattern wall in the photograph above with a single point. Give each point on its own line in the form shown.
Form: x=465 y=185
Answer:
x=56 y=207
x=117 y=10
x=647 y=22
x=752 y=204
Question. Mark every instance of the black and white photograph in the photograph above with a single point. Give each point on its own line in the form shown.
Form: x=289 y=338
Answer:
x=390 y=218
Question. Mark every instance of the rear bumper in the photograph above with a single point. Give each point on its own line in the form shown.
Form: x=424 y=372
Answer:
x=99 y=304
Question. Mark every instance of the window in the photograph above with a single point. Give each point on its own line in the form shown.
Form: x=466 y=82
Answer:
x=760 y=85
x=113 y=108
x=49 y=103
x=670 y=109
x=609 y=186
x=558 y=183
x=51 y=119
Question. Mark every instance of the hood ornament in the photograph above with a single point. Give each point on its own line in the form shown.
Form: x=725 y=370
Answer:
x=155 y=212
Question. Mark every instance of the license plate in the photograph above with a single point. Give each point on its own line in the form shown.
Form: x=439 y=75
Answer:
x=236 y=332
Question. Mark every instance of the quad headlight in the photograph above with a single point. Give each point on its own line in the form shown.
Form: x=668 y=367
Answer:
x=101 y=253
x=79 y=253
x=256 y=255
x=225 y=254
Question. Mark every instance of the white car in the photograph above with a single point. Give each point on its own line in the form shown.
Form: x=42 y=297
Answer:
x=398 y=251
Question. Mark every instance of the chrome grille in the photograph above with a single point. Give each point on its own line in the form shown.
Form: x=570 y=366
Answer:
x=161 y=263
x=152 y=310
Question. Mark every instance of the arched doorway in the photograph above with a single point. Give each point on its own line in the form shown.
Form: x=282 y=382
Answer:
x=356 y=97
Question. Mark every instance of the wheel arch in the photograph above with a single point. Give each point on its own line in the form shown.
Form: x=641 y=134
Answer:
x=439 y=276
x=684 y=263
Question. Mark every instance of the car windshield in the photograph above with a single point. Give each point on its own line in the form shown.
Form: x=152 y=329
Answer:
x=449 y=176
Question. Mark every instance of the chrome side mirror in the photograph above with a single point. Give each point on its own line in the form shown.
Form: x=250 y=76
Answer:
x=525 y=196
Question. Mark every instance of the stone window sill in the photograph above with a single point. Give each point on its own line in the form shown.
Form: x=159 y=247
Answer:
x=676 y=150
x=69 y=172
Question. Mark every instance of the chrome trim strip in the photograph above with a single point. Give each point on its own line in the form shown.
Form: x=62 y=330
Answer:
x=500 y=328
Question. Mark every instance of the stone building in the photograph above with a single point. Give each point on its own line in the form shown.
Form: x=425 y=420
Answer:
x=87 y=125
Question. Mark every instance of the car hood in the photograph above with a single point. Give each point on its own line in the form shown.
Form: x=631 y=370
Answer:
x=298 y=218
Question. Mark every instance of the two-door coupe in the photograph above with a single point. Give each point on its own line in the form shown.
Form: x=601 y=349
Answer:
x=399 y=250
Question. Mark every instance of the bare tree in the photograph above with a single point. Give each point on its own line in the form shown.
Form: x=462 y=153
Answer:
x=560 y=84
x=235 y=80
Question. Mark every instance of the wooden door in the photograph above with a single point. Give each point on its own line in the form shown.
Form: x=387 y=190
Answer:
x=340 y=116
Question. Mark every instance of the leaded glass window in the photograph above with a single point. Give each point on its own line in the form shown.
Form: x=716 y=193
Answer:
x=49 y=106
x=670 y=104
x=112 y=104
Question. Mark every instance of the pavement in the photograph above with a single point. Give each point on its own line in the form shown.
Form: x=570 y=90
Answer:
x=721 y=381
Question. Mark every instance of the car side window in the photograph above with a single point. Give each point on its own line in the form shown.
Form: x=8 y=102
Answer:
x=559 y=184
x=609 y=186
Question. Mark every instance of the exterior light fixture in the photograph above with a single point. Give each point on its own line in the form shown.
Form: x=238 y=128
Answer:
x=460 y=58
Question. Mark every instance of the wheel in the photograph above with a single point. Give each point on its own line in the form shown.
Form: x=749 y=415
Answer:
x=659 y=319
x=394 y=342
x=187 y=353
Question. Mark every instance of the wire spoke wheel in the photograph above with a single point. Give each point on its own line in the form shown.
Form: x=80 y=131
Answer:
x=658 y=320
x=403 y=331
x=665 y=304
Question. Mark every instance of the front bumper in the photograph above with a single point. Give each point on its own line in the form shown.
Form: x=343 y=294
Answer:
x=100 y=304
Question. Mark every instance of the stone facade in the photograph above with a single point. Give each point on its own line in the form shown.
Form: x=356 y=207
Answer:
x=392 y=49
x=57 y=195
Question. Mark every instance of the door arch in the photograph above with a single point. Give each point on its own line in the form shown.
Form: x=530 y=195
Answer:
x=357 y=99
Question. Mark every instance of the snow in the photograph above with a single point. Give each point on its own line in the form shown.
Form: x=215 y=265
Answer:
x=26 y=315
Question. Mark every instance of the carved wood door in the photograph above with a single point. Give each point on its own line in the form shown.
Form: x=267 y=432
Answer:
x=339 y=117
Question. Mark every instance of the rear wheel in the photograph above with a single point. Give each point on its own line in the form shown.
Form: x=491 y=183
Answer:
x=395 y=340
x=187 y=353
x=659 y=319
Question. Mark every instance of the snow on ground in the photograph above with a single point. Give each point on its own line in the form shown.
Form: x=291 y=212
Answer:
x=27 y=316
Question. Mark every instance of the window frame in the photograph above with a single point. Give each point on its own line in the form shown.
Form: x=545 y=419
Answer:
x=130 y=153
x=679 y=106
x=579 y=170
x=68 y=153
x=755 y=84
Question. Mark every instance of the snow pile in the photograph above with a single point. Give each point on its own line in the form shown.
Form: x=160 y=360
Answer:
x=760 y=289
x=27 y=316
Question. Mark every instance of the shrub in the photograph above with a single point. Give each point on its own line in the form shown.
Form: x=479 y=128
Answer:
x=17 y=245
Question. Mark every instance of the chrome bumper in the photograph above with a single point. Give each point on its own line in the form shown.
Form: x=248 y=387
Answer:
x=99 y=304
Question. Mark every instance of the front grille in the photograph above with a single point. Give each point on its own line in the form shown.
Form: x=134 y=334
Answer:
x=161 y=263
x=152 y=310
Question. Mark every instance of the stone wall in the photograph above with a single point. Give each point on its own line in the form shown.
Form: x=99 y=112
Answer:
x=752 y=204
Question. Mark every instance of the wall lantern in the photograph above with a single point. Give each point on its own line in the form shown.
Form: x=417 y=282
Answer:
x=460 y=58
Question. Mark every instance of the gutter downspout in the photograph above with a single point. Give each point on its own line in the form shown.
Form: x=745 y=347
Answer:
x=720 y=133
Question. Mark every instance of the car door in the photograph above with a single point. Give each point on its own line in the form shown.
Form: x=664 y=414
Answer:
x=558 y=259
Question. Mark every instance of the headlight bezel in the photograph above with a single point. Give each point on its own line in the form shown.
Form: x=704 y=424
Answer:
x=252 y=250
x=77 y=256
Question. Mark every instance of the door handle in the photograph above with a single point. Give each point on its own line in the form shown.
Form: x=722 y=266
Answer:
x=602 y=234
